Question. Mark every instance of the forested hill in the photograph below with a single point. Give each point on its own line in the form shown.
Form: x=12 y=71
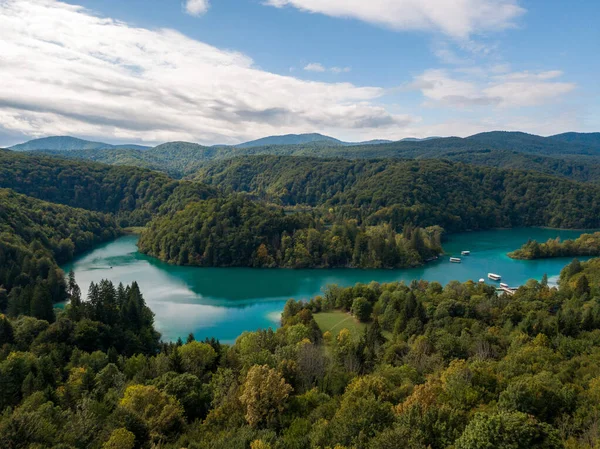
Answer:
x=175 y=158
x=455 y=196
x=183 y=158
x=34 y=236
x=133 y=194
x=312 y=138
x=67 y=143
x=362 y=211
x=588 y=139
x=65 y=207
x=575 y=167
x=292 y=139
x=238 y=232
x=530 y=143
x=179 y=159
x=62 y=230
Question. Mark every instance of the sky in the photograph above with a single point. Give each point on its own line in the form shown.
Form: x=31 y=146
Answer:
x=228 y=71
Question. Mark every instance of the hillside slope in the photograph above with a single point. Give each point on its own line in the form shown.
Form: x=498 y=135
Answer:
x=591 y=139
x=68 y=143
x=455 y=196
x=291 y=139
x=133 y=194
x=181 y=159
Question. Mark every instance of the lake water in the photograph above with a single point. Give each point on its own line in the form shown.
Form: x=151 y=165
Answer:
x=224 y=302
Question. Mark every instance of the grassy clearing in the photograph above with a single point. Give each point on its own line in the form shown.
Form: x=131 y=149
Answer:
x=134 y=230
x=337 y=320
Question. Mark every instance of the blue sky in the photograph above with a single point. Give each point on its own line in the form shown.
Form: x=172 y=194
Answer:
x=224 y=71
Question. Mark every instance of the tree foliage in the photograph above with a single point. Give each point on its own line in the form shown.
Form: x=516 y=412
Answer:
x=455 y=196
x=132 y=194
x=584 y=245
x=264 y=395
x=236 y=231
x=436 y=366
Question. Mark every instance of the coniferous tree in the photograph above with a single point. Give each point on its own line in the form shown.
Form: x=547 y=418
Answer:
x=3 y=299
x=6 y=331
x=582 y=286
x=93 y=300
x=41 y=304
x=75 y=309
x=18 y=301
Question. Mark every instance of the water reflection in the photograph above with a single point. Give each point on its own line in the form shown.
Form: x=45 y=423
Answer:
x=223 y=302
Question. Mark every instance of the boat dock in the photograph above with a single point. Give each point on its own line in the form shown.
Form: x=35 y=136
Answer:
x=506 y=289
x=503 y=286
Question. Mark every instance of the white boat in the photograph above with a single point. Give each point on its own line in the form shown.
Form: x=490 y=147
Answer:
x=503 y=285
x=455 y=260
x=465 y=253
x=494 y=277
x=481 y=281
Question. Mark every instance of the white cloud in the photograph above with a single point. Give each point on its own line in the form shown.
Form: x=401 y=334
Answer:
x=318 y=67
x=64 y=70
x=530 y=76
x=340 y=69
x=314 y=67
x=456 y=18
x=196 y=7
x=507 y=90
x=448 y=55
x=463 y=52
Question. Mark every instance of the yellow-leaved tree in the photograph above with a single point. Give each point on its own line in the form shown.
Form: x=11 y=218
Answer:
x=120 y=439
x=162 y=413
x=264 y=394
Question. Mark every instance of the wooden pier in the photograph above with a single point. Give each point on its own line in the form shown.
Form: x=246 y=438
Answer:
x=510 y=291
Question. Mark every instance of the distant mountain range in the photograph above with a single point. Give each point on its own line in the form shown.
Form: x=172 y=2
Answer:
x=415 y=139
x=568 y=143
x=592 y=139
x=68 y=143
x=303 y=139
x=572 y=155
x=316 y=138
x=291 y=139
x=571 y=142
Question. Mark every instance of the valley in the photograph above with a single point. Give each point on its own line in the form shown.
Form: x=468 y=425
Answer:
x=299 y=224
x=327 y=280
x=224 y=302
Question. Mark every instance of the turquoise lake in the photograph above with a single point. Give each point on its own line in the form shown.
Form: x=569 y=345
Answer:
x=224 y=302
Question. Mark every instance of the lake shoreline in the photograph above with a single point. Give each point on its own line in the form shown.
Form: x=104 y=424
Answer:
x=224 y=302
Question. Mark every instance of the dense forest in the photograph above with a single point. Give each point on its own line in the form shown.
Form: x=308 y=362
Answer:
x=236 y=231
x=348 y=213
x=68 y=143
x=436 y=367
x=552 y=155
x=89 y=204
x=356 y=213
x=34 y=237
x=584 y=245
x=455 y=196
x=575 y=167
x=134 y=195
